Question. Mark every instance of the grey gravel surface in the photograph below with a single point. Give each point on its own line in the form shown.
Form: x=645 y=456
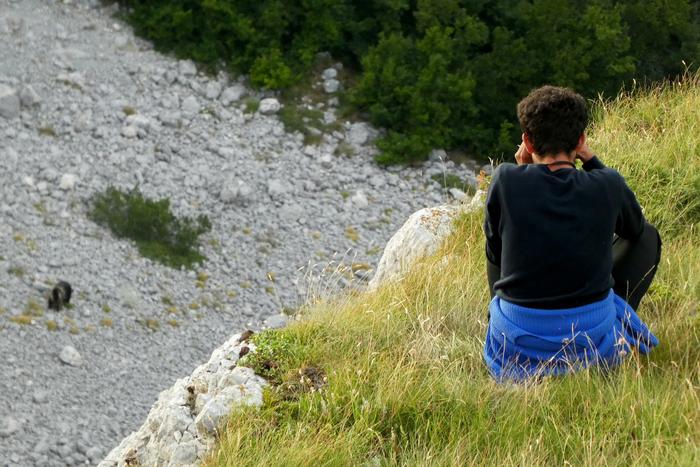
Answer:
x=85 y=105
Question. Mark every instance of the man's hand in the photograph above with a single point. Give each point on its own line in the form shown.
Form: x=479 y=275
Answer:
x=522 y=156
x=584 y=153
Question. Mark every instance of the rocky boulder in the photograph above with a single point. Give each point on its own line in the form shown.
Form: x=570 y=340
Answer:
x=182 y=425
x=420 y=236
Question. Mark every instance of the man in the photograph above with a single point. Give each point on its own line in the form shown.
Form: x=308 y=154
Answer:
x=569 y=253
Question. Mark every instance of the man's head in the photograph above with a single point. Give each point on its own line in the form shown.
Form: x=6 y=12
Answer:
x=553 y=119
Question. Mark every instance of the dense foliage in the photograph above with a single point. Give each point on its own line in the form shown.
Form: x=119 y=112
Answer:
x=158 y=234
x=435 y=73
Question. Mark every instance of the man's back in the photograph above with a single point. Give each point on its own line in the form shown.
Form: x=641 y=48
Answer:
x=550 y=232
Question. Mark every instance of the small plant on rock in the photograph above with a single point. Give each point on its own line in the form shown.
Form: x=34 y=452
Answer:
x=158 y=234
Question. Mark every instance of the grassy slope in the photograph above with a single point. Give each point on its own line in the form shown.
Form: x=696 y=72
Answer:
x=406 y=381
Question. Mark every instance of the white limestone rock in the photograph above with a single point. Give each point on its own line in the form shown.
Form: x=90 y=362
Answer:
x=269 y=106
x=190 y=105
x=29 y=97
x=232 y=94
x=213 y=90
x=182 y=425
x=70 y=356
x=420 y=236
x=68 y=182
x=187 y=68
x=330 y=73
x=9 y=102
x=138 y=121
x=359 y=200
x=236 y=191
x=277 y=188
x=359 y=134
x=331 y=86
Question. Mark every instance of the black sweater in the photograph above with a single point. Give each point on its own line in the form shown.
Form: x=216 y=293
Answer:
x=551 y=232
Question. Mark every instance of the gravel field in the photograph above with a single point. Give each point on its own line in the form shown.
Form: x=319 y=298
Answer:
x=85 y=105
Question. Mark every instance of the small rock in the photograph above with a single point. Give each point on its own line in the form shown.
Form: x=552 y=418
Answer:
x=138 y=121
x=9 y=102
x=68 y=181
x=172 y=119
x=94 y=454
x=457 y=194
x=187 y=68
x=276 y=188
x=326 y=161
x=121 y=41
x=8 y=427
x=329 y=73
x=437 y=155
x=213 y=90
x=185 y=453
x=331 y=86
x=360 y=200
x=130 y=132
x=358 y=134
x=70 y=356
x=129 y=296
x=190 y=105
x=236 y=192
x=40 y=396
x=269 y=106
x=276 y=321
x=233 y=94
x=29 y=97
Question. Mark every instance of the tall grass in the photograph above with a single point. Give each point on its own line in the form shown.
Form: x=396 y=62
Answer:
x=406 y=384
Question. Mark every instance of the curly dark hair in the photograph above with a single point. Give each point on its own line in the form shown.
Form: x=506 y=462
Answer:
x=553 y=118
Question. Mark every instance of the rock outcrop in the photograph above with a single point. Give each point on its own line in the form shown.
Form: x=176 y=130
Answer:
x=419 y=237
x=182 y=425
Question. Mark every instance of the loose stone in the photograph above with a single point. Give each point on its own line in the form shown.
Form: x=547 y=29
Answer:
x=9 y=102
x=70 y=356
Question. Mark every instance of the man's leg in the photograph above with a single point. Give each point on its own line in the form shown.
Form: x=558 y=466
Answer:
x=635 y=263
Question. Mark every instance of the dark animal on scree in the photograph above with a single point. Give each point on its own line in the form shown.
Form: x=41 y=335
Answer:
x=60 y=296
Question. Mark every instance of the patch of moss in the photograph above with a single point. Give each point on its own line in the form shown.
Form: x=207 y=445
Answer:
x=152 y=324
x=251 y=105
x=47 y=131
x=352 y=233
x=51 y=325
x=23 y=320
x=106 y=322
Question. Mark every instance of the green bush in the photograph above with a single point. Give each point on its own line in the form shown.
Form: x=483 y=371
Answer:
x=435 y=73
x=158 y=234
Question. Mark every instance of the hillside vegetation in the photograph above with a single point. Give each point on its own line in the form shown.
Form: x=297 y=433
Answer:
x=434 y=73
x=400 y=371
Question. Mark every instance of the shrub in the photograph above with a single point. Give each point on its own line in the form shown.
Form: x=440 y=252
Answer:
x=158 y=234
x=435 y=73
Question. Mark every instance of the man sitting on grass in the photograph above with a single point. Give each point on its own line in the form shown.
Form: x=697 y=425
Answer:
x=569 y=252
